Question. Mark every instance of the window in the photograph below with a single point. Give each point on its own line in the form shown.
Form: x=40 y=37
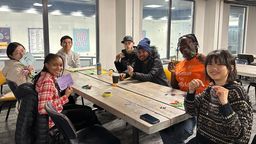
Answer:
x=155 y=23
x=21 y=22
x=236 y=29
x=75 y=18
x=181 y=23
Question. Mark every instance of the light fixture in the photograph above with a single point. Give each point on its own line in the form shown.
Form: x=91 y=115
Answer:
x=40 y=5
x=153 y=6
x=56 y=12
x=4 y=8
x=77 y=13
x=31 y=11
x=148 y=18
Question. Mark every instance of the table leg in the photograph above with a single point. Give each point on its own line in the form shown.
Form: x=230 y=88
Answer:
x=135 y=134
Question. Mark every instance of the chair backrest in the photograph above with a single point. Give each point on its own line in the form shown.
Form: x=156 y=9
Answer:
x=13 y=86
x=247 y=57
x=31 y=128
x=61 y=121
x=2 y=78
x=168 y=74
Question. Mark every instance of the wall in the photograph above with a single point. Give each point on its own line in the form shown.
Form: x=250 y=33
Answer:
x=250 y=41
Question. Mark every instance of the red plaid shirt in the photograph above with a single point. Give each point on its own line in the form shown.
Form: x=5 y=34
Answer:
x=47 y=91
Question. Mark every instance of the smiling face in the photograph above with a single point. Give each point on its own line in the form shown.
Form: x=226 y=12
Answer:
x=142 y=54
x=128 y=45
x=187 y=48
x=55 y=66
x=67 y=44
x=217 y=72
x=18 y=53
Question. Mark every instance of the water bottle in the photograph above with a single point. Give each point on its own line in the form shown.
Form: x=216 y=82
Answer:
x=98 y=69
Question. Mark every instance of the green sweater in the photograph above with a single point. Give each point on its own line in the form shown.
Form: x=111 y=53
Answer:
x=229 y=123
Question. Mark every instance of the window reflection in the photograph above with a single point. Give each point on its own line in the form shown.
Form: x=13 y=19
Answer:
x=236 y=29
x=155 y=23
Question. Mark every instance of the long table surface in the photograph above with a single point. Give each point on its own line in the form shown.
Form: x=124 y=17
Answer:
x=246 y=70
x=129 y=104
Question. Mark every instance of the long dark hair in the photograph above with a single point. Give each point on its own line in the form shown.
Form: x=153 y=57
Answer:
x=222 y=57
x=50 y=57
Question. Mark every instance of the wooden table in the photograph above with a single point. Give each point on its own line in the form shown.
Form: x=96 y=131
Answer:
x=130 y=99
x=246 y=70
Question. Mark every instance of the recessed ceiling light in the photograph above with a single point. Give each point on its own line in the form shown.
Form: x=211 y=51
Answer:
x=4 y=8
x=77 y=13
x=148 y=18
x=56 y=12
x=31 y=11
x=153 y=6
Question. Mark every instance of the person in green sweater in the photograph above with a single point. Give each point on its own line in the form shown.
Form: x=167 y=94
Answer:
x=223 y=109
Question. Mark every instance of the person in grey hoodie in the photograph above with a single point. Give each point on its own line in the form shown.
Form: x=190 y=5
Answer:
x=13 y=69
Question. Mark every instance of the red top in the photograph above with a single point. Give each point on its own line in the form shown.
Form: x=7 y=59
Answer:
x=187 y=70
x=47 y=91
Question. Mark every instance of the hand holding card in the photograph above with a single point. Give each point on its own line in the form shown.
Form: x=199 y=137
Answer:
x=65 y=81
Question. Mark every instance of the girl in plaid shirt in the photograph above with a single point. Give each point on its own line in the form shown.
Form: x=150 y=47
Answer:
x=45 y=85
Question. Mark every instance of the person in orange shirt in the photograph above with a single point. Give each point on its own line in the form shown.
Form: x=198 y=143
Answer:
x=192 y=67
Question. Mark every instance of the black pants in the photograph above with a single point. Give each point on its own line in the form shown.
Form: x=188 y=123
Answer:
x=80 y=116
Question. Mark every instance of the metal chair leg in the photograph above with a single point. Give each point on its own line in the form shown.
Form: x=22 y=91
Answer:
x=7 y=115
x=82 y=100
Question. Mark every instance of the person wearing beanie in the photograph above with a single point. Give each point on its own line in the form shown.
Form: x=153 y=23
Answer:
x=13 y=69
x=71 y=59
x=191 y=67
x=127 y=56
x=147 y=66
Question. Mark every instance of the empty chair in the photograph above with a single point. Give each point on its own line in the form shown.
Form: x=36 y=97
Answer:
x=95 y=134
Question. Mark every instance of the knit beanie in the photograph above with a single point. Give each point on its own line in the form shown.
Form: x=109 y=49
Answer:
x=145 y=44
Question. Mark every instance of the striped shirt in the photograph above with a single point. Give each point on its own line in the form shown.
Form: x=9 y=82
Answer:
x=222 y=124
x=47 y=91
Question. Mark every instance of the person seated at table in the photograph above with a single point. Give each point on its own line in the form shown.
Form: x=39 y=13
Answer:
x=47 y=89
x=127 y=55
x=191 y=67
x=147 y=66
x=224 y=112
x=71 y=59
x=13 y=69
x=184 y=71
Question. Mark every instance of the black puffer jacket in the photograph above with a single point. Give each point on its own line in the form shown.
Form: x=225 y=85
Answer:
x=151 y=69
x=31 y=128
x=129 y=59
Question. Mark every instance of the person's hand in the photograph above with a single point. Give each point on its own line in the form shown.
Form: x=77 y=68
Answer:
x=194 y=84
x=221 y=93
x=68 y=91
x=130 y=70
x=171 y=66
x=122 y=76
x=119 y=56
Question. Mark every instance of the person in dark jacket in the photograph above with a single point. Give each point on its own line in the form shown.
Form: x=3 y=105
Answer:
x=127 y=56
x=147 y=66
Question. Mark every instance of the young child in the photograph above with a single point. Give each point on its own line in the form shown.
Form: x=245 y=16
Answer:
x=223 y=109
x=13 y=69
x=45 y=85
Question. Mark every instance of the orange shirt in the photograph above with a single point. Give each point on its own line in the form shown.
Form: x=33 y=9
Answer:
x=188 y=70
